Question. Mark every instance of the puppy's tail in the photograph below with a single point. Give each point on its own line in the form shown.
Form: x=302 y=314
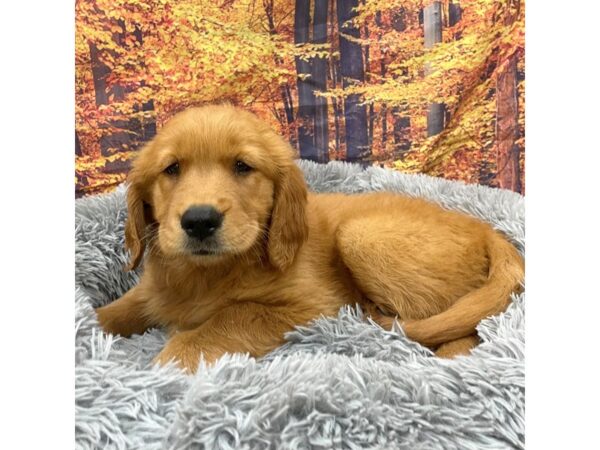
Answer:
x=506 y=272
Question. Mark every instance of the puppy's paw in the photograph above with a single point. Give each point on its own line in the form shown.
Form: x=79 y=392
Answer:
x=110 y=321
x=185 y=359
x=185 y=351
x=123 y=317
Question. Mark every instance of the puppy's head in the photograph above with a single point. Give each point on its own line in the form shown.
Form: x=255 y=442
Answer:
x=215 y=183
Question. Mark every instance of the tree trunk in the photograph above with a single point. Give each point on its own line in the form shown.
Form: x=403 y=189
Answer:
x=370 y=111
x=508 y=171
x=402 y=142
x=383 y=115
x=78 y=151
x=432 y=22
x=306 y=98
x=485 y=175
x=401 y=128
x=337 y=110
x=319 y=76
x=454 y=15
x=399 y=20
x=351 y=62
x=115 y=141
x=382 y=72
x=285 y=91
x=148 y=123
x=334 y=64
x=130 y=133
x=367 y=69
x=288 y=103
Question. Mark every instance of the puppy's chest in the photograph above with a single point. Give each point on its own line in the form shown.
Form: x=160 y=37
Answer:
x=189 y=307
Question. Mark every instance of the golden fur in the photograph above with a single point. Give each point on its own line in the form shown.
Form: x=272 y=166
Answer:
x=285 y=256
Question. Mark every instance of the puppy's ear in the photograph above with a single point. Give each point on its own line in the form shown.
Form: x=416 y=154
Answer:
x=289 y=226
x=135 y=227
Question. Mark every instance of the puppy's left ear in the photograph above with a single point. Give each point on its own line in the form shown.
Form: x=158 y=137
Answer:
x=135 y=226
x=289 y=226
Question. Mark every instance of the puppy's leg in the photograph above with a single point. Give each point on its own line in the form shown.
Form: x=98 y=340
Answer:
x=411 y=268
x=244 y=328
x=126 y=315
x=462 y=346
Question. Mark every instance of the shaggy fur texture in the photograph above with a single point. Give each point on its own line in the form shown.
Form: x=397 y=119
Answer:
x=338 y=383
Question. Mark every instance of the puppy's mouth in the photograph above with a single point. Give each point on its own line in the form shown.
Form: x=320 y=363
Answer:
x=204 y=249
x=202 y=252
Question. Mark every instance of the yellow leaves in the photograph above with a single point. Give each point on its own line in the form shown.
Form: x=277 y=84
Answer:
x=192 y=50
x=197 y=51
x=114 y=28
x=87 y=163
x=407 y=165
x=371 y=7
x=308 y=51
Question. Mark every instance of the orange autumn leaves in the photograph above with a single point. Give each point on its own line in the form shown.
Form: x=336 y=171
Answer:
x=140 y=61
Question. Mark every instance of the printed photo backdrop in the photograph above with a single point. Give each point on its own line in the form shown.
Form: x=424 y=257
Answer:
x=435 y=87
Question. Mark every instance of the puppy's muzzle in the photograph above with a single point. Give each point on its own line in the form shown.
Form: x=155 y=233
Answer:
x=201 y=221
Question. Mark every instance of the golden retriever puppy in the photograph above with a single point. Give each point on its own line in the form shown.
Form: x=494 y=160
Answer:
x=237 y=252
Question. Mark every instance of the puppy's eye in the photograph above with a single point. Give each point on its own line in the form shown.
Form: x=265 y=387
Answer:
x=241 y=167
x=173 y=169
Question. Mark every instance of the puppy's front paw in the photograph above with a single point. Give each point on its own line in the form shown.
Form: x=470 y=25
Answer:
x=124 y=316
x=185 y=350
x=184 y=358
x=109 y=321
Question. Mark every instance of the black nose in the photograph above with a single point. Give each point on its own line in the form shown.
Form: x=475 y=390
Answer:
x=201 y=221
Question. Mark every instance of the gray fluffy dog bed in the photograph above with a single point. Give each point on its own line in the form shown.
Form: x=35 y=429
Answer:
x=340 y=383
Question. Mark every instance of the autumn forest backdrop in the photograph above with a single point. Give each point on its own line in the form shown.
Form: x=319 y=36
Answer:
x=435 y=87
